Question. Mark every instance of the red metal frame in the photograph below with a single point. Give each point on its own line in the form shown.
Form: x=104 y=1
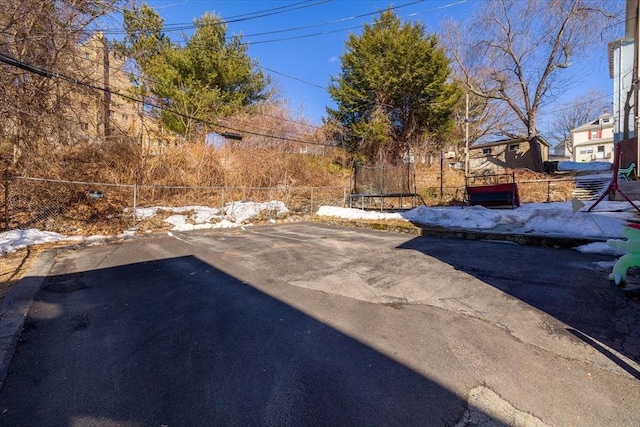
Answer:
x=614 y=182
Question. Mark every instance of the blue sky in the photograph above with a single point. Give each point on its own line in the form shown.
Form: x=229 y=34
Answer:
x=301 y=61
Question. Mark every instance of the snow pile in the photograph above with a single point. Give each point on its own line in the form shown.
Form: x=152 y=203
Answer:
x=231 y=215
x=185 y=218
x=561 y=219
x=553 y=219
x=550 y=219
x=239 y=212
x=584 y=166
x=11 y=241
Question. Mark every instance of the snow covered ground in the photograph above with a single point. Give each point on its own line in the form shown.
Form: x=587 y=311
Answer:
x=234 y=214
x=584 y=166
x=563 y=219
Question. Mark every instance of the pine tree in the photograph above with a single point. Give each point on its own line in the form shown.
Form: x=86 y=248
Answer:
x=393 y=92
x=197 y=82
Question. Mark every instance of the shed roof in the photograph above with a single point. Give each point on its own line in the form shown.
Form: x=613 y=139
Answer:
x=493 y=143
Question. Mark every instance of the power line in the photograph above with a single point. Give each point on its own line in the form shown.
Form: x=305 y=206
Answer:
x=292 y=77
x=131 y=75
x=303 y=36
x=335 y=21
x=241 y=18
x=50 y=74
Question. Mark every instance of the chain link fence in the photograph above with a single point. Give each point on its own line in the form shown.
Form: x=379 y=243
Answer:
x=74 y=208
x=71 y=207
x=383 y=179
x=530 y=191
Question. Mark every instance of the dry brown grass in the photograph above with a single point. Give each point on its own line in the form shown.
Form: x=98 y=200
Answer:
x=183 y=175
x=285 y=174
x=430 y=180
x=15 y=265
x=533 y=187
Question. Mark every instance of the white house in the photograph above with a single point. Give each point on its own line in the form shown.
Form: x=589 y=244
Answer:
x=621 y=54
x=593 y=141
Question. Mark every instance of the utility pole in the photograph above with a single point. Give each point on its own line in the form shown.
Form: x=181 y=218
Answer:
x=107 y=93
x=636 y=77
x=466 y=138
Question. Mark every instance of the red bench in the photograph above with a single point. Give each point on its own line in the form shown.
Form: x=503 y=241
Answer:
x=494 y=195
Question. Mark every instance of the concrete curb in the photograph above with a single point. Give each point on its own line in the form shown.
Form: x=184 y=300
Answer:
x=15 y=307
x=454 y=233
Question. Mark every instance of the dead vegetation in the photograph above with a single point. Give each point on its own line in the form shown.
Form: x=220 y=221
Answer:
x=199 y=174
x=446 y=187
x=196 y=174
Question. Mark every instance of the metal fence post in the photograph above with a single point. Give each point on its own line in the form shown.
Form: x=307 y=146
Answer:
x=135 y=203
x=6 y=199
x=222 y=202
x=311 y=201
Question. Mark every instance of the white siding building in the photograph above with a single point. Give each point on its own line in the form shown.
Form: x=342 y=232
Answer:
x=621 y=54
x=593 y=141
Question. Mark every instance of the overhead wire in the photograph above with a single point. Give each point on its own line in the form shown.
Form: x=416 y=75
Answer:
x=239 y=18
x=283 y=9
x=52 y=74
x=130 y=75
x=342 y=20
x=339 y=30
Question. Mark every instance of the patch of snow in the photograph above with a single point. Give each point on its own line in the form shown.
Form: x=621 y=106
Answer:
x=554 y=219
x=600 y=248
x=584 y=166
x=242 y=211
x=11 y=241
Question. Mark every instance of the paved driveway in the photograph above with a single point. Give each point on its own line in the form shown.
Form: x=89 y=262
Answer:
x=306 y=324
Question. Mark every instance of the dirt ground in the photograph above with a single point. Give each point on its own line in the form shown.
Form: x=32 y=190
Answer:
x=14 y=265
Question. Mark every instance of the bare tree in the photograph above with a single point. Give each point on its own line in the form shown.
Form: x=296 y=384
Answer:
x=485 y=118
x=579 y=111
x=518 y=53
x=45 y=35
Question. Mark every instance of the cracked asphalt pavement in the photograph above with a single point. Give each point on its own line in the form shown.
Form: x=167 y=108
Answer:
x=308 y=324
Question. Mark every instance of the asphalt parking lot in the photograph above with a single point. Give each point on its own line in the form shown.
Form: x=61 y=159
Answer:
x=308 y=324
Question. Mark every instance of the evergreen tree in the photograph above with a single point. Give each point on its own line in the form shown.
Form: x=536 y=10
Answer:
x=393 y=91
x=207 y=77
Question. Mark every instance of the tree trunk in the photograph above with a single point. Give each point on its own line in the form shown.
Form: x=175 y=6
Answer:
x=536 y=153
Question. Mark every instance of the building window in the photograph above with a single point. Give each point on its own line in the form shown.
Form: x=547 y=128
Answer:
x=594 y=134
x=583 y=151
x=606 y=120
x=600 y=148
x=514 y=147
x=84 y=126
x=486 y=151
